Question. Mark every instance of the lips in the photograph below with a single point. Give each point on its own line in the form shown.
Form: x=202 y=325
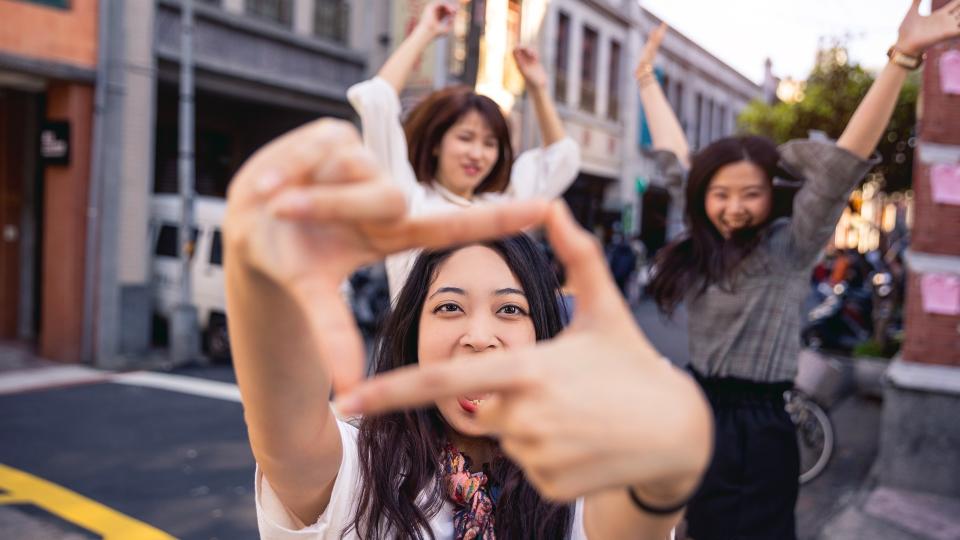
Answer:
x=471 y=403
x=471 y=170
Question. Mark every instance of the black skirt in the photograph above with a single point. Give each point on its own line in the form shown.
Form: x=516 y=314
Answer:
x=750 y=489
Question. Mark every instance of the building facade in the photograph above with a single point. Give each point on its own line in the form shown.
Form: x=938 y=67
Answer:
x=47 y=94
x=78 y=250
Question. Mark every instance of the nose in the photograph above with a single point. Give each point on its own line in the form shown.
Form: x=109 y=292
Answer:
x=735 y=206
x=476 y=151
x=479 y=336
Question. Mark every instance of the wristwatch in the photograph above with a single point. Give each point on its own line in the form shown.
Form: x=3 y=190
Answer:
x=903 y=59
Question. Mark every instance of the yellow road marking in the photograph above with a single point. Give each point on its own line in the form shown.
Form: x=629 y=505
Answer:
x=23 y=487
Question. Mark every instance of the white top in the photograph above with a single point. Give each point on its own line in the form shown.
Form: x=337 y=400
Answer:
x=540 y=172
x=276 y=522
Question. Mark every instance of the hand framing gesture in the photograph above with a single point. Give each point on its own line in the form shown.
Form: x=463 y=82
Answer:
x=594 y=408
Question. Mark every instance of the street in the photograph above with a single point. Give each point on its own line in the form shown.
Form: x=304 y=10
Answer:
x=166 y=454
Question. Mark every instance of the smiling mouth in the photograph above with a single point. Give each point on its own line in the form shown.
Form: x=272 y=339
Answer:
x=472 y=170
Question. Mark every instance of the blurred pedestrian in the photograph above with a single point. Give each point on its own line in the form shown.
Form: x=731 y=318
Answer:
x=622 y=261
x=742 y=270
x=453 y=150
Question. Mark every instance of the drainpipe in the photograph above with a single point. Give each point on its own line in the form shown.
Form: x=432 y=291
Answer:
x=92 y=250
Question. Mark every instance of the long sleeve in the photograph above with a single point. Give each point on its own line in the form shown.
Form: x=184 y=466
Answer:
x=829 y=173
x=378 y=105
x=545 y=172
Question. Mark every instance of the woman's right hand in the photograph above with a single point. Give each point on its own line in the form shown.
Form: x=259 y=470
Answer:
x=311 y=207
x=437 y=17
x=650 y=49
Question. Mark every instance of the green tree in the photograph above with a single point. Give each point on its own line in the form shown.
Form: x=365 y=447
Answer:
x=831 y=94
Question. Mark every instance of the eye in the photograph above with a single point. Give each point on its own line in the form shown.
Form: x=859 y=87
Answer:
x=512 y=309
x=492 y=143
x=448 y=307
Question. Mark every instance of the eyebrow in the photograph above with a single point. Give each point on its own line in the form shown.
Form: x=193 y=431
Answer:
x=458 y=290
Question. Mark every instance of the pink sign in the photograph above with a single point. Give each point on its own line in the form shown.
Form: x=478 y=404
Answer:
x=950 y=72
x=941 y=293
x=945 y=183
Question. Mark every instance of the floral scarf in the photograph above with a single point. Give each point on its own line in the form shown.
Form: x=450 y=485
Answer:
x=473 y=516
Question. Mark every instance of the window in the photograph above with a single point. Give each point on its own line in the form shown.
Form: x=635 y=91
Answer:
x=707 y=123
x=512 y=78
x=216 y=249
x=563 y=54
x=331 y=19
x=698 y=119
x=588 y=71
x=168 y=240
x=278 y=11
x=678 y=105
x=721 y=123
x=613 y=105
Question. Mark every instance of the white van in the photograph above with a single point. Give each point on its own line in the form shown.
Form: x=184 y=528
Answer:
x=206 y=267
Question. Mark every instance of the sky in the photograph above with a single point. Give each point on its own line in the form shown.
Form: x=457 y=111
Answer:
x=743 y=33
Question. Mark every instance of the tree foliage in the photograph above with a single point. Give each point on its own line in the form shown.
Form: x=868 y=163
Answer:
x=831 y=94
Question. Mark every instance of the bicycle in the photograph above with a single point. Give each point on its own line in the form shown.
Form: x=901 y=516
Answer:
x=815 y=435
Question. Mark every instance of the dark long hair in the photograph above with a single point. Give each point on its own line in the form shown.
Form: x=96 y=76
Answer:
x=400 y=452
x=429 y=121
x=702 y=256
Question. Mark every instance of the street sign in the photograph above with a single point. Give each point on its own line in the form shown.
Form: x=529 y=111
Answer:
x=642 y=185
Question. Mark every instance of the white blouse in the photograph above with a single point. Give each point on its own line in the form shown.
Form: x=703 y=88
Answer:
x=276 y=522
x=540 y=172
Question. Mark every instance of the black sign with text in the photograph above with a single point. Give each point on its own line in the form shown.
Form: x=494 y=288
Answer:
x=55 y=143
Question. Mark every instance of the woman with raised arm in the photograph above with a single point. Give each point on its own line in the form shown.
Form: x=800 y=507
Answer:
x=742 y=269
x=610 y=459
x=453 y=150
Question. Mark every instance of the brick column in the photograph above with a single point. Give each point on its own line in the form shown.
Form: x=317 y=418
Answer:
x=920 y=433
x=64 y=226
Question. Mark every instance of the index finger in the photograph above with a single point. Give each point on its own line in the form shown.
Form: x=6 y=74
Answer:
x=415 y=386
x=471 y=225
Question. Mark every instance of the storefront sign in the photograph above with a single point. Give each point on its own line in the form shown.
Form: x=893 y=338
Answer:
x=55 y=143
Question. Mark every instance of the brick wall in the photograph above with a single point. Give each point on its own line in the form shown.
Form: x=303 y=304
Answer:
x=933 y=338
x=47 y=33
x=936 y=227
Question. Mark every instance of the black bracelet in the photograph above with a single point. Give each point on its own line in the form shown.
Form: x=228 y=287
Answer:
x=655 y=510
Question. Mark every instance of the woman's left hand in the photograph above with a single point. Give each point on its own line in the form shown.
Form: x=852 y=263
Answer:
x=918 y=32
x=528 y=61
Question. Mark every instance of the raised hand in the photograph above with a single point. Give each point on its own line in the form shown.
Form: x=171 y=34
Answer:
x=650 y=48
x=917 y=32
x=437 y=17
x=594 y=408
x=528 y=61
x=312 y=206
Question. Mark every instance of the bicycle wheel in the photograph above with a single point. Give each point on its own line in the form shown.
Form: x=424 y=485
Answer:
x=815 y=436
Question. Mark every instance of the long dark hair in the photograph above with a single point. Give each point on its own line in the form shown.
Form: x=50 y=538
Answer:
x=400 y=452
x=429 y=121
x=702 y=256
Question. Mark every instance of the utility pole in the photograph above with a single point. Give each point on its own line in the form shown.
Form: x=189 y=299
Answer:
x=184 y=324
